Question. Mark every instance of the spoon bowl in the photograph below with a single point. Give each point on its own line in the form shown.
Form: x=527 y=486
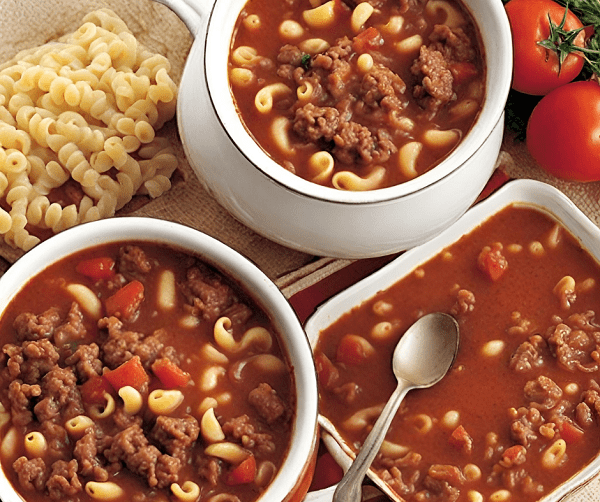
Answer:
x=421 y=358
x=426 y=351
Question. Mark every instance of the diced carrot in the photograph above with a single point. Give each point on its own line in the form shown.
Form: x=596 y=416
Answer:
x=125 y=302
x=492 y=262
x=93 y=390
x=367 y=40
x=461 y=440
x=514 y=455
x=130 y=373
x=97 y=268
x=570 y=432
x=170 y=375
x=242 y=474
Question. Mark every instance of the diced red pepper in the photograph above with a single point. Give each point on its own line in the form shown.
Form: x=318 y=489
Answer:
x=130 y=373
x=463 y=71
x=492 y=262
x=367 y=40
x=570 y=432
x=461 y=440
x=125 y=302
x=93 y=390
x=515 y=455
x=327 y=472
x=170 y=375
x=327 y=372
x=97 y=268
x=242 y=474
x=353 y=349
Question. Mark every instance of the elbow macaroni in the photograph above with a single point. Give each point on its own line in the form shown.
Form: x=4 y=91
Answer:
x=360 y=15
x=187 y=492
x=321 y=166
x=347 y=180
x=164 y=402
x=99 y=412
x=103 y=490
x=35 y=444
x=230 y=452
x=78 y=109
x=322 y=16
x=132 y=399
x=258 y=337
x=265 y=97
x=452 y=17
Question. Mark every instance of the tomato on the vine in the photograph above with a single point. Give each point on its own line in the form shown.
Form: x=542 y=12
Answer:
x=563 y=132
x=536 y=68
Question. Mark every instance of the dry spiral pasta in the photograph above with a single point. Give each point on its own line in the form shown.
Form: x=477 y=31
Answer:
x=85 y=109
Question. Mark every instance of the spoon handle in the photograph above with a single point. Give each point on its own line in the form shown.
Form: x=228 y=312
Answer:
x=349 y=489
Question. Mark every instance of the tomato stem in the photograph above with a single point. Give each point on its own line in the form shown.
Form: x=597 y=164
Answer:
x=588 y=13
x=562 y=42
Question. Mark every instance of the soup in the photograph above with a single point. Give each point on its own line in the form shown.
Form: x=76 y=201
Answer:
x=134 y=372
x=518 y=413
x=357 y=95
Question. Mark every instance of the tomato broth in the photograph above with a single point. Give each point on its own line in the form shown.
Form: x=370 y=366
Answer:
x=518 y=413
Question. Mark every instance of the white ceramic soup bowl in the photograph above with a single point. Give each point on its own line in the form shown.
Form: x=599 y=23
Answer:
x=526 y=193
x=303 y=215
x=293 y=479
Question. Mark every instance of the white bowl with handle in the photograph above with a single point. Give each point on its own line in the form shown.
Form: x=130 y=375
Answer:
x=304 y=215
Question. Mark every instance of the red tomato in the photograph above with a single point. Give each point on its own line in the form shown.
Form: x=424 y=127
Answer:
x=492 y=261
x=243 y=473
x=563 y=133
x=535 y=67
x=460 y=439
x=514 y=455
x=130 y=373
x=570 y=432
x=126 y=300
x=327 y=472
x=367 y=40
x=170 y=375
x=97 y=268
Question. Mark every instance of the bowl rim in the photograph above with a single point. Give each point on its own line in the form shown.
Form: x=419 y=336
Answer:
x=217 y=84
x=524 y=193
x=238 y=269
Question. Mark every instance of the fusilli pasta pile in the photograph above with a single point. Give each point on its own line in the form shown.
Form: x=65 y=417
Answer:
x=83 y=109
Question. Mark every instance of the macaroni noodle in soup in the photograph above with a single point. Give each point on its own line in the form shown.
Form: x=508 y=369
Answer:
x=134 y=372
x=519 y=411
x=357 y=95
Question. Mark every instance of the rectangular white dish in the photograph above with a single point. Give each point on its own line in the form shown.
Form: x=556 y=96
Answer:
x=521 y=192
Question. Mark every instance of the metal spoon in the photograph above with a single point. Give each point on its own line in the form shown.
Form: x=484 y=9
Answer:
x=422 y=357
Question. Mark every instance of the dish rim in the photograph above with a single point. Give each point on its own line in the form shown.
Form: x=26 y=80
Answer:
x=492 y=110
x=237 y=269
x=523 y=193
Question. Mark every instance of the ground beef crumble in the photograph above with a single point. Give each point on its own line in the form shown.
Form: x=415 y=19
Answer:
x=59 y=355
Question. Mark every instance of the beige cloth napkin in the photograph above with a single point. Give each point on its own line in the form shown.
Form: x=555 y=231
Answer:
x=520 y=164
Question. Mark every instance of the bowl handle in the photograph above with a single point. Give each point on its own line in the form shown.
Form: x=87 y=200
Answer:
x=191 y=12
